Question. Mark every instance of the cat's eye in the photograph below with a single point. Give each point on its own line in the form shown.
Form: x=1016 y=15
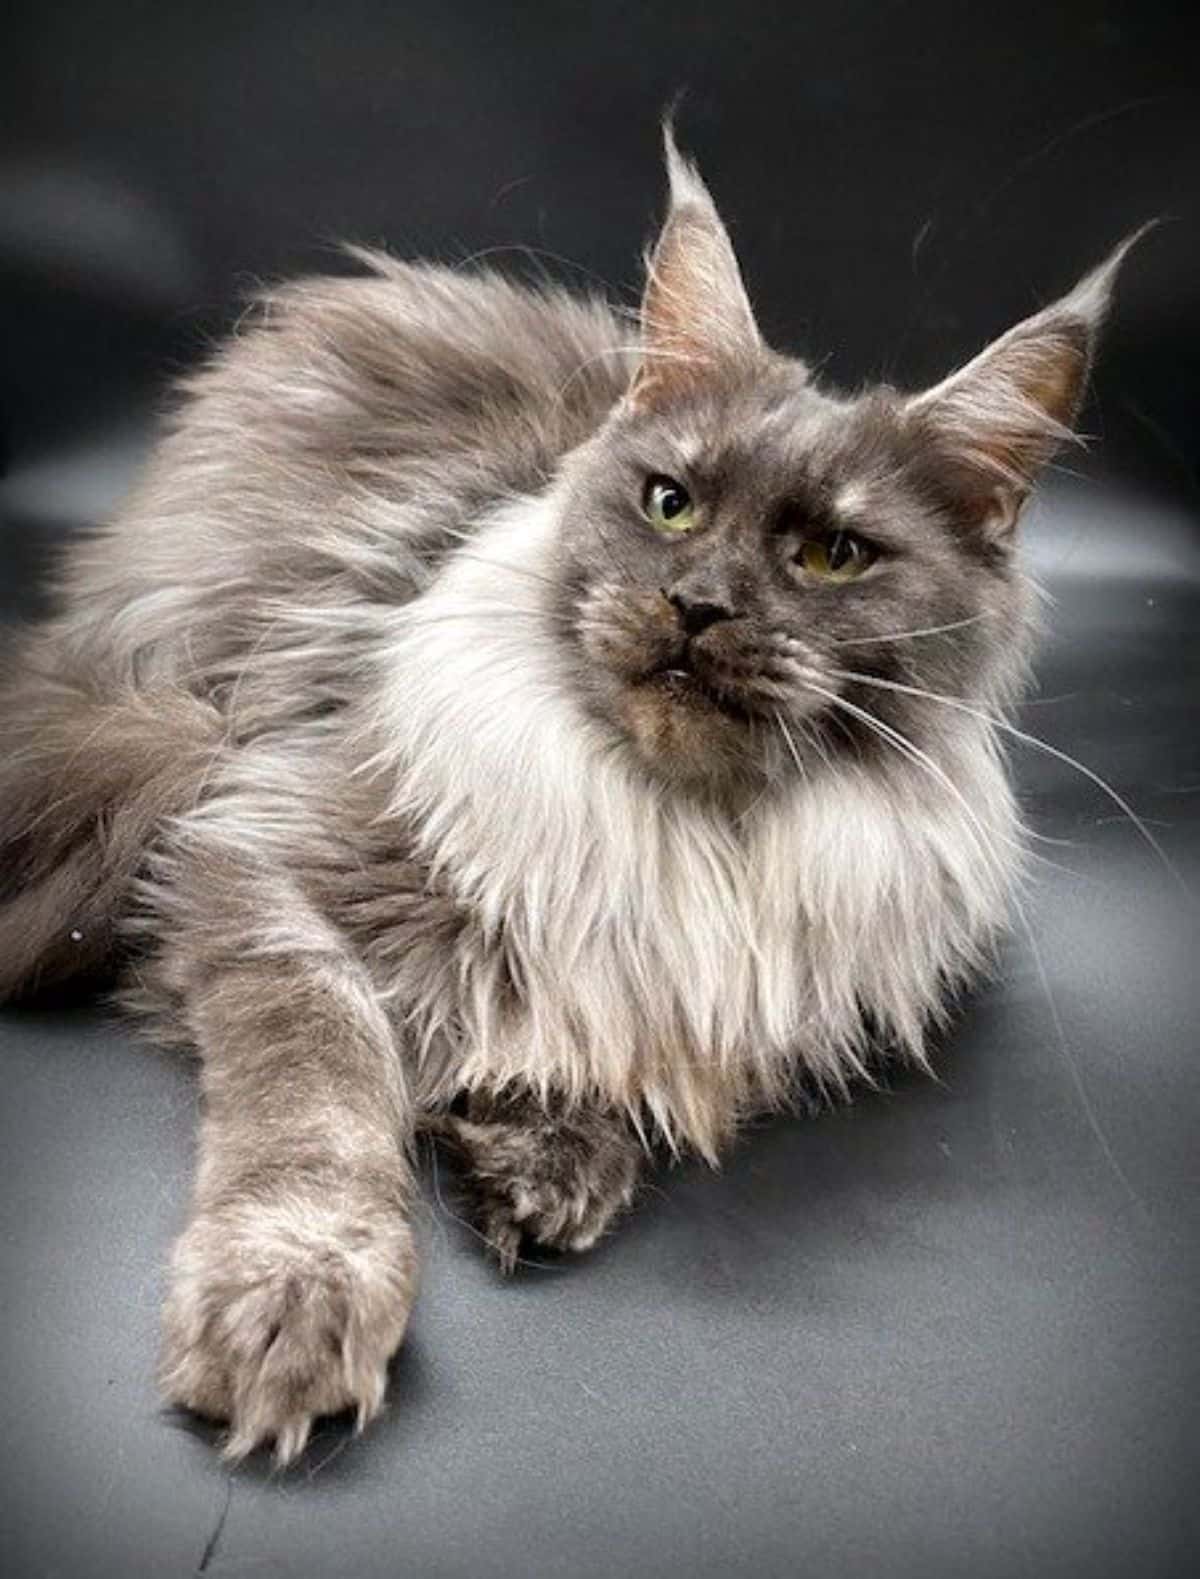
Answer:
x=668 y=505
x=841 y=557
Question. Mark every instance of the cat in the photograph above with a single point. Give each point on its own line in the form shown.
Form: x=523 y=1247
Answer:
x=489 y=719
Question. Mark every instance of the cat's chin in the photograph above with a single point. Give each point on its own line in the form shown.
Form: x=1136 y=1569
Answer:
x=688 y=731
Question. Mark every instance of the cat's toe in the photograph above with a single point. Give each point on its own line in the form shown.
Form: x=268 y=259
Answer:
x=548 y=1188
x=269 y=1333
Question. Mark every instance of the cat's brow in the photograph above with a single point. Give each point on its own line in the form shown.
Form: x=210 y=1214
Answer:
x=851 y=503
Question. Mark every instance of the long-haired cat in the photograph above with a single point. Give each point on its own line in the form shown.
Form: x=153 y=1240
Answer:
x=488 y=719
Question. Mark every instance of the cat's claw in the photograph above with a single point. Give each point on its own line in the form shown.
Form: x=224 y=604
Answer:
x=270 y=1325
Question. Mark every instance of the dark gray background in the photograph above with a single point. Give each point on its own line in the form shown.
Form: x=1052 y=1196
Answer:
x=949 y=1330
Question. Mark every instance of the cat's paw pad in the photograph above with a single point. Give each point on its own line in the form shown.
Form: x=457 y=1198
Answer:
x=559 y=1183
x=279 y=1315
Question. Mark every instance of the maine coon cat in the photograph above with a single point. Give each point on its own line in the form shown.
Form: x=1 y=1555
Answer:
x=491 y=718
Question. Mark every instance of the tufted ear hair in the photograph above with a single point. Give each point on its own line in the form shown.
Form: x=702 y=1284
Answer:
x=998 y=420
x=696 y=317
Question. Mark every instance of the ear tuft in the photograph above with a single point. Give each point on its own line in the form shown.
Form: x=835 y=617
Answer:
x=998 y=420
x=696 y=316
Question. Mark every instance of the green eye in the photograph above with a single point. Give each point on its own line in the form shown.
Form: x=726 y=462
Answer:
x=668 y=505
x=842 y=557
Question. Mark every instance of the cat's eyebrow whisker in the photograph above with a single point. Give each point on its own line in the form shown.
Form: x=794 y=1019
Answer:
x=1039 y=745
x=928 y=630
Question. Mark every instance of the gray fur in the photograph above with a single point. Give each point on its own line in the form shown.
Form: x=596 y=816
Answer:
x=381 y=732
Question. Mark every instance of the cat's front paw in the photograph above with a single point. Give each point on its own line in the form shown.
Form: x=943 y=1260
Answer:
x=280 y=1313
x=559 y=1179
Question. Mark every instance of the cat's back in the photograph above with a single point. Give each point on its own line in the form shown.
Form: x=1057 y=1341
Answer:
x=340 y=443
x=385 y=378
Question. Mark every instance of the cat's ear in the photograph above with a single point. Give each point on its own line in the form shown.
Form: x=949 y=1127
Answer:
x=696 y=317
x=999 y=419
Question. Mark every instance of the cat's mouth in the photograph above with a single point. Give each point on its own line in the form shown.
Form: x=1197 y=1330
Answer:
x=678 y=681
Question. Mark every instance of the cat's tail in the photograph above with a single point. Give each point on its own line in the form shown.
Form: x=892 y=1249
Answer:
x=89 y=769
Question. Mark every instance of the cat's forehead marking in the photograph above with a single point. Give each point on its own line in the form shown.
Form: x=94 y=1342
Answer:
x=691 y=447
x=852 y=500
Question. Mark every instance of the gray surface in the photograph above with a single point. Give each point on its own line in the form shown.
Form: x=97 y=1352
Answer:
x=950 y=1329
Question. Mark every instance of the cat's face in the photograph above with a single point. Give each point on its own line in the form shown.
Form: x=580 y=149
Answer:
x=730 y=562
x=755 y=577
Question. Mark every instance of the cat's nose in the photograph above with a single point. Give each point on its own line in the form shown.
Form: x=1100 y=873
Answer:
x=696 y=610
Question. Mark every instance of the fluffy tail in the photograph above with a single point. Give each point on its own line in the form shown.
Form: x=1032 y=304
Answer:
x=88 y=771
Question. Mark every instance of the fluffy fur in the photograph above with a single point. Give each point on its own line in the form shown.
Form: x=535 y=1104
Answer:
x=415 y=775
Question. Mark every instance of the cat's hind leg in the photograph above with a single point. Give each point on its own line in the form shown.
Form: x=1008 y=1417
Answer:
x=90 y=767
x=554 y=1173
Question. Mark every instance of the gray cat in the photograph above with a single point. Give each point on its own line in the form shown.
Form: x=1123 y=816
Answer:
x=482 y=722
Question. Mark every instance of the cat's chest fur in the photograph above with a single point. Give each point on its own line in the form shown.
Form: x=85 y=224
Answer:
x=630 y=943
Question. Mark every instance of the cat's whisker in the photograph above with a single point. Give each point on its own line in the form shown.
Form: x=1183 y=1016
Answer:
x=791 y=744
x=1070 y=1062
x=1027 y=833
x=1024 y=738
x=900 y=742
x=907 y=748
x=928 y=630
x=813 y=736
x=913 y=754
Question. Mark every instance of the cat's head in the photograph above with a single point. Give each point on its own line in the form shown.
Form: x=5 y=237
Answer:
x=738 y=542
